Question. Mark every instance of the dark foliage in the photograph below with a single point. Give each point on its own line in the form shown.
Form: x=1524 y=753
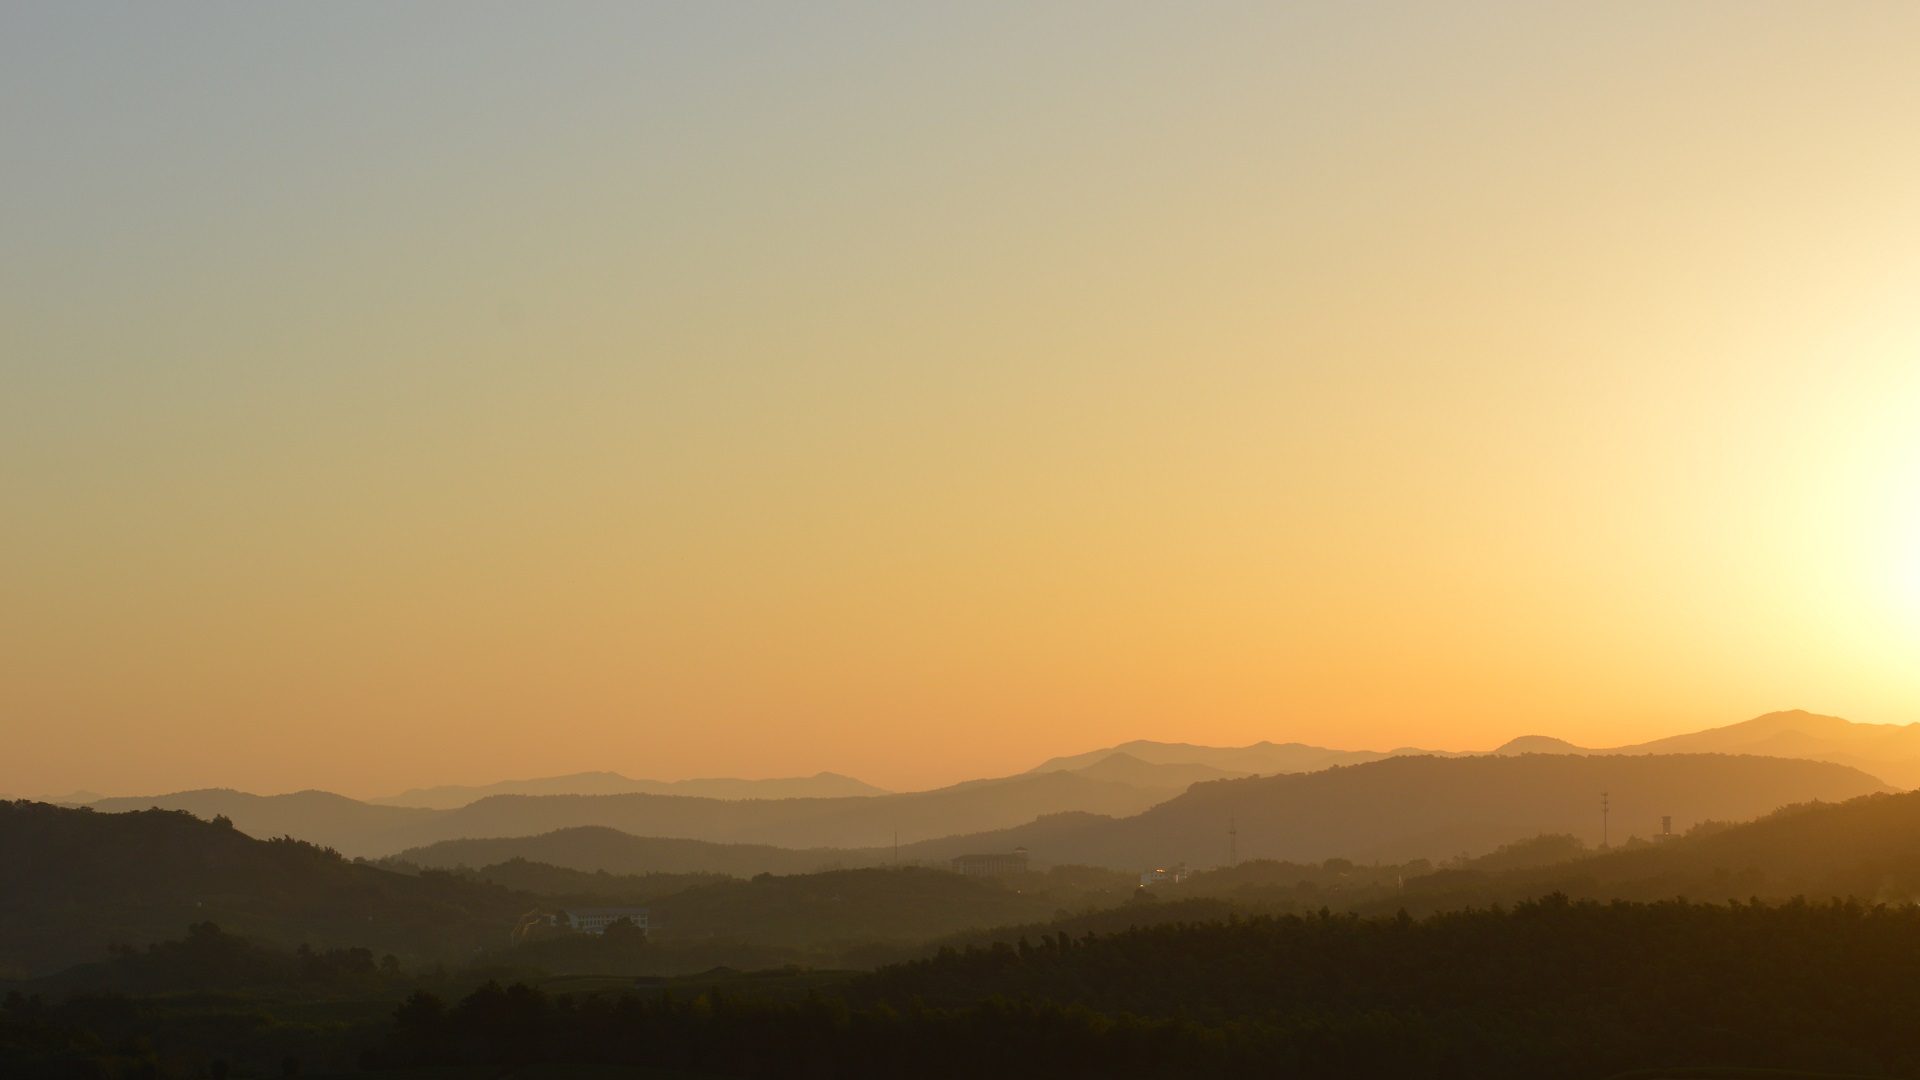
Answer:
x=1549 y=988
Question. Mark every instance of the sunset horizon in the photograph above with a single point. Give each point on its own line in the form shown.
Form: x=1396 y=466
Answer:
x=600 y=763
x=971 y=535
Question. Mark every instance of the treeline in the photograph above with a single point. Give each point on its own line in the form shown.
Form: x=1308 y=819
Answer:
x=1547 y=988
x=1553 y=987
x=562 y=885
x=210 y=958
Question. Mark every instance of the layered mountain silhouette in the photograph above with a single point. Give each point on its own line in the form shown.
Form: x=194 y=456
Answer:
x=79 y=879
x=364 y=829
x=1888 y=751
x=594 y=848
x=824 y=785
x=1064 y=796
x=1393 y=810
x=1259 y=759
x=1406 y=808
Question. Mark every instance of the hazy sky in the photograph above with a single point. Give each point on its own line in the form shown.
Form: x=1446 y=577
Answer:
x=410 y=393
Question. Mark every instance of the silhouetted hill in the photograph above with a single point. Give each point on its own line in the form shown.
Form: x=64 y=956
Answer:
x=1866 y=848
x=598 y=848
x=908 y=905
x=362 y=829
x=1423 y=807
x=318 y=817
x=1124 y=768
x=1537 y=744
x=78 y=880
x=824 y=785
x=565 y=887
x=1262 y=758
x=1890 y=752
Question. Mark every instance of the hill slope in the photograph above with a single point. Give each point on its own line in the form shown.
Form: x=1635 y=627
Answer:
x=1888 y=751
x=824 y=785
x=1424 y=807
x=1261 y=759
x=362 y=829
x=78 y=880
x=1866 y=848
x=595 y=848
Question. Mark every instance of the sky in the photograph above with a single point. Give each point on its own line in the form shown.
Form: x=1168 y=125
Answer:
x=444 y=392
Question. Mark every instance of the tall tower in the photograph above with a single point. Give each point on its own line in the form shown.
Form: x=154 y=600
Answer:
x=1605 y=808
x=1233 y=842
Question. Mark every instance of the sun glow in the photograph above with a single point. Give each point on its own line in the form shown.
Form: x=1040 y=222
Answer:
x=1903 y=548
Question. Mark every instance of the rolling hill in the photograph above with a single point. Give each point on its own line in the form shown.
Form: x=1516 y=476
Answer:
x=824 y=785
x=1888 y=751
x=595 y=848
x=1259 y=759
x=318 y=817
x=363 y=829
x=78 y=880
x=1405 y=808
x=1866 y=848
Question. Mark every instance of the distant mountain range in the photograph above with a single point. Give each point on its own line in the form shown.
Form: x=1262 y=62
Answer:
x=365 y=829
x=1392 y=810
x=1259 y=759
x=79 y=879
x=1405 y=808
x=824 y=785
x=1040 y=808
x=1888 y=751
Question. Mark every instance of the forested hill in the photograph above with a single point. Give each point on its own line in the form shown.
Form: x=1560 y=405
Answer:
x=1427 y=807
x=1866 y=848
x=1548 y=988
x=78 y=880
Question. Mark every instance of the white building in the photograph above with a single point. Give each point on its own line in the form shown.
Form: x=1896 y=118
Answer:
x=595 y=920
x=1164 y=875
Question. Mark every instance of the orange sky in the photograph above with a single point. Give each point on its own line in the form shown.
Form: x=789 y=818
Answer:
x=435 y=395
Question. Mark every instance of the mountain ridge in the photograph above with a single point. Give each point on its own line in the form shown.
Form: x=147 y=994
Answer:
x=604 y=782
x=1888 y=751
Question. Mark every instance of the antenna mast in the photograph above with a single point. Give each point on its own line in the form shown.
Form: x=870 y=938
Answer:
x=1233 y=842
x=1605 y=808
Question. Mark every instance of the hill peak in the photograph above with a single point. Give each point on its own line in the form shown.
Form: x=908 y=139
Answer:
x=1538 y=744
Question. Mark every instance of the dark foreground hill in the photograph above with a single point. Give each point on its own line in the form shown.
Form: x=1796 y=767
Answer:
x=1408 y=808
x=1549 y=989
x=77 y=880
